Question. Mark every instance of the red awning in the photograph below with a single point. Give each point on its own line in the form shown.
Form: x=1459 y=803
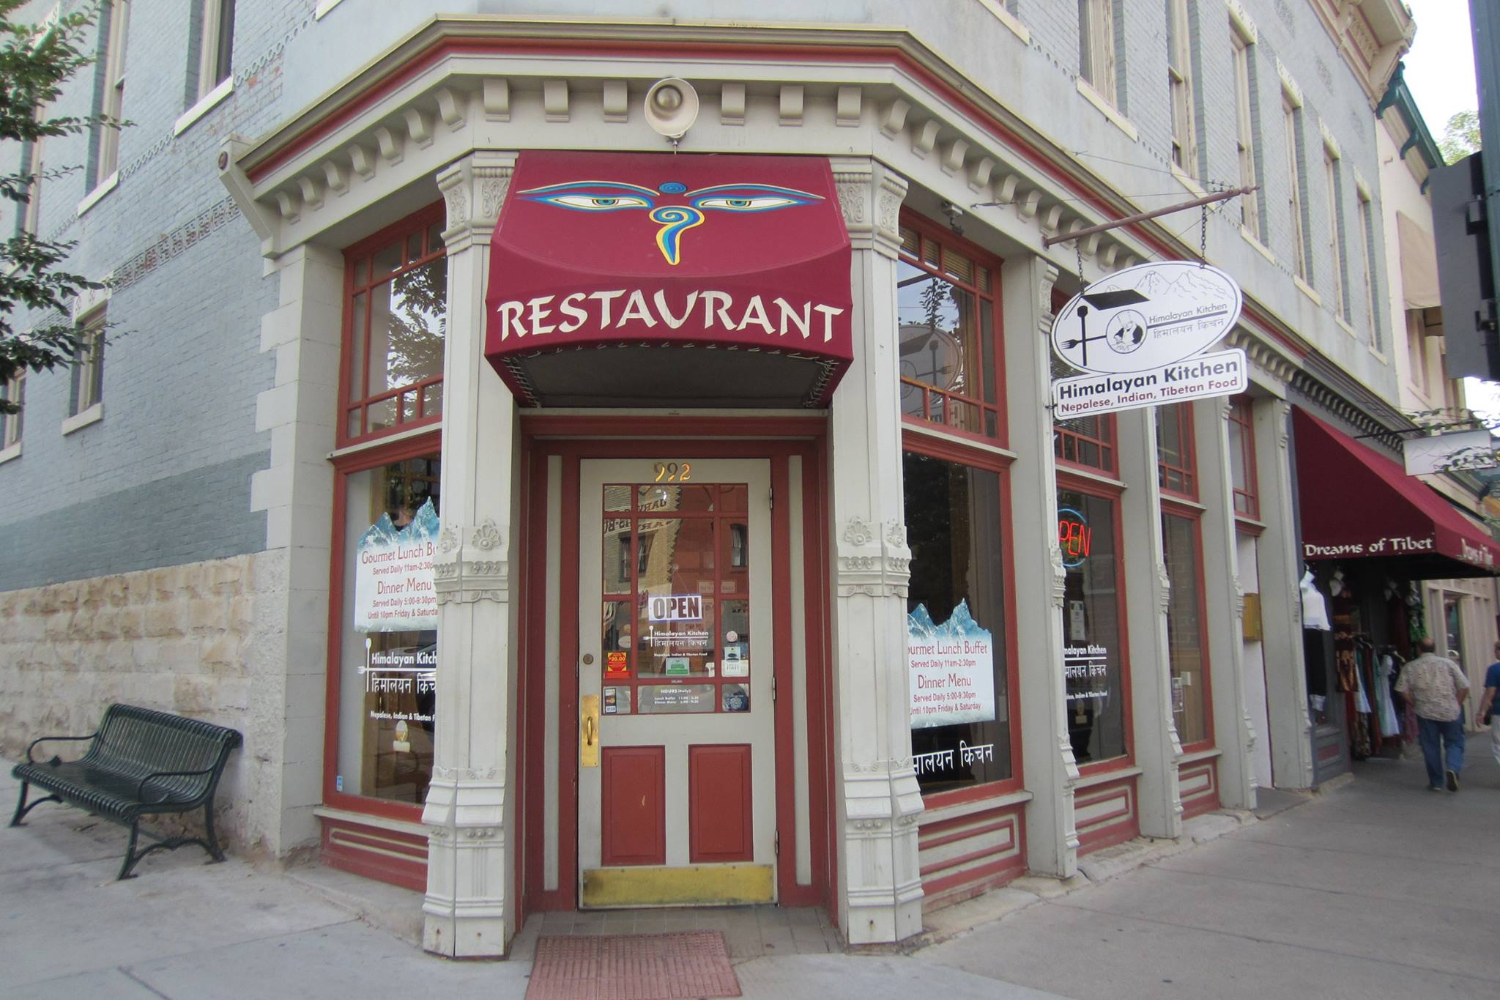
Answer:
x=1356 y=504
x=600 y=260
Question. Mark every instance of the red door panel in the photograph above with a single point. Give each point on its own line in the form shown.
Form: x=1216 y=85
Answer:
x=634 y=802
x=719 y=804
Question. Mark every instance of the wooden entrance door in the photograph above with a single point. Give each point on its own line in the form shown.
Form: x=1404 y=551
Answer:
x=676 y=736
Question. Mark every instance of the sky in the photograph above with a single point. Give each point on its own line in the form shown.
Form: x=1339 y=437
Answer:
x=1440 y=75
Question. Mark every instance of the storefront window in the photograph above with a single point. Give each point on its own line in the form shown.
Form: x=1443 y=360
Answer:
x=1185 y=632
x=949 y=370
x=1093 y=653
x=1242 y=458
x=388 y=676
x=395 y=323
x=961 y=733
x=1174 y=449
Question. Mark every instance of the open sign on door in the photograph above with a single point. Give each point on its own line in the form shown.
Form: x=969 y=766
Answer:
x=675 y=608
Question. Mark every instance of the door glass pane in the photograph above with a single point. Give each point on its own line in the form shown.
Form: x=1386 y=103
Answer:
x=674 y=549
x=1092 y=611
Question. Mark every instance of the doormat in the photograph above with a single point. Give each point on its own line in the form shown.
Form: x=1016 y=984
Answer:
x=633 y=967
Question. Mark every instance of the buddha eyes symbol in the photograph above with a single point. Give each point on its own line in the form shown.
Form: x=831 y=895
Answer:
x=764 y=203
x=595 y=203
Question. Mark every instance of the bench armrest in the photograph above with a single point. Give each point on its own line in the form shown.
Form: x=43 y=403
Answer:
x=45 y=739
x=140 y=790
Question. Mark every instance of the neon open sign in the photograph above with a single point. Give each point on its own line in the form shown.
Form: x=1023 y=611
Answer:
x=1074 y=536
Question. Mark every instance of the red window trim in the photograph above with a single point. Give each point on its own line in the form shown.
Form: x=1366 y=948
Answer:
x=1113 y=494
x=1242 y=412
x=416 y=223
x=927 y=229
x=1195 y=515
x=1187 y=445
x=914 y=440
x=345 y=466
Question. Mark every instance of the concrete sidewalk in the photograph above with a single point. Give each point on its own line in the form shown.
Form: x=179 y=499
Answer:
x=1379 y=889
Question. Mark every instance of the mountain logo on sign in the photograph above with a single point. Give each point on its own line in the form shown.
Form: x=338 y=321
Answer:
x=960 y=625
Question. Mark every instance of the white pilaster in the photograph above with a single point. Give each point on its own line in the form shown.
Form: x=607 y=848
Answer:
x=1051 y=833
x=1147 y=590
x=878 y=800
x=470 y=901
x=1280 y=569
x=1224 y=603
x=296 y=492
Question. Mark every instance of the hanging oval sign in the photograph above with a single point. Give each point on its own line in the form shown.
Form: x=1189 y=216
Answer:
x=1146 y=316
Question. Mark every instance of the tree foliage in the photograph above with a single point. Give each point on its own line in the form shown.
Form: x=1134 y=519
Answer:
x=36 y=60
x=1460 y=136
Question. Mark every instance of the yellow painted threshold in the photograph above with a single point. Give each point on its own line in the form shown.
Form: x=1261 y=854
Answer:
x=697 y=885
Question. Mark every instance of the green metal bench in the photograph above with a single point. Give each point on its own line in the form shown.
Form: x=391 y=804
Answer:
x=139 y=763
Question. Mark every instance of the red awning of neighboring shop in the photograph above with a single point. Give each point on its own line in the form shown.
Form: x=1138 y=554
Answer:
x=652 y=279
x=1357 y=504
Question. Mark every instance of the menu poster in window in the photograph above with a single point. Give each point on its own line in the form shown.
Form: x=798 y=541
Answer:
x=952 y=665
x=393 y=589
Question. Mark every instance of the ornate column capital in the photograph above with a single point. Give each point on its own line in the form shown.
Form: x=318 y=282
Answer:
x=471 y=564
x=473 y=191
x=873 y=559
x=870 y=195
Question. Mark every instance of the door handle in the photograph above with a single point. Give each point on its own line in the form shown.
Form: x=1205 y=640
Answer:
x=588 y=732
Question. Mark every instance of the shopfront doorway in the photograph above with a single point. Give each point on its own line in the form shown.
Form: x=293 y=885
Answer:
x=676 y=742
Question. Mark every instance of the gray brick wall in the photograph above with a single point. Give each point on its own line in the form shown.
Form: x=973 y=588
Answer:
x=184 y=366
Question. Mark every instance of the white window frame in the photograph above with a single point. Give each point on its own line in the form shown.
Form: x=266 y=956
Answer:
x=31 y=217
x=1416 y=353
x=12 y=425
x=86 y=392
x=1338 y=255
x=1181 y=89
x=1245 y=130
x=215 y=45
x=114 y=91
x=1296 y=181
x=1096 y=47
x=1367 y=250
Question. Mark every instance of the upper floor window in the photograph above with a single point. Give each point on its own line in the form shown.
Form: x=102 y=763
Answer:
x=88 y=367
x=1180 y=87
x=1242 y=457
x=215 y=45
x=950 y=372
x=1367 y=250
x=33 y=164
x=1096 y=46
x=113 y=96
x=1245 y=130
x=13 y=391
x=1174 y=449
x=1337 y=242
x=395 y=325
x=1296 y=184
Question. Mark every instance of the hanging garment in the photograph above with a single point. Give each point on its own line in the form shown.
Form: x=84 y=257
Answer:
x=1314 y=606
x=1386 y=676
x=1361 y=701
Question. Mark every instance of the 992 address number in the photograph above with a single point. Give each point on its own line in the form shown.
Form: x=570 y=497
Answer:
x=673 y=472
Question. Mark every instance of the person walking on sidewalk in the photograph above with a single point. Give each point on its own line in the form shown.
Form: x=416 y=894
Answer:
x=1489 y=706
x=1437 y=689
